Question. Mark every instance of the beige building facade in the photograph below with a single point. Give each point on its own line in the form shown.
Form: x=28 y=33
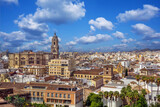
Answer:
x=28 y=57
x=61 y=67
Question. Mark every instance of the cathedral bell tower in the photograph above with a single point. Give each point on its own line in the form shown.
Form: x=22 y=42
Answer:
x=55 y=46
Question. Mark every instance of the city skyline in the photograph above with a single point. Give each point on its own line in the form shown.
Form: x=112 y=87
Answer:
x=80 y=25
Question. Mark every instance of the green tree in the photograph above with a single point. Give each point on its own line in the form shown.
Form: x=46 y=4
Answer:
x=88 y=102
x=158 y=98
x=94 y=100
x=122 y=96
x=141 y=102
x=95 y=104
x=143 y=92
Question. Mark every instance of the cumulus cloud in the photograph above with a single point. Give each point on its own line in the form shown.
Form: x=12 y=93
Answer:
x=92 y=28
x=146 y=13
x=52 y=11
x=120 y=47
x=128 y=40
x=10 y=1
x=90 y=39
x=146 y=31
x=11 y=40
x=118 y=35
x=71 y=43
x=55 y=11
x=101 y=23
x=13 y=36
x=156 y=42
x=27 y=24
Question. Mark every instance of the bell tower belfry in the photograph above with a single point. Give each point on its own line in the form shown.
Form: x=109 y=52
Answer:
x=55 y=46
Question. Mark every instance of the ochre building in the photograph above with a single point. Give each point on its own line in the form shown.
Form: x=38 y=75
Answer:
x=21 y=59
x=61 y=67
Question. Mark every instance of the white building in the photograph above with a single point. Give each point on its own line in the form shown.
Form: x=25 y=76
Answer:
x=1 y=65
x=112 y=87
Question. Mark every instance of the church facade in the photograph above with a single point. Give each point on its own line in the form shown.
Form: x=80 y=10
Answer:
x=28 y=57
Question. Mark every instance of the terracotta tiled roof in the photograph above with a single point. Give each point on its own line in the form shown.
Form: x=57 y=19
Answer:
x=12 y=85
x=90 y=72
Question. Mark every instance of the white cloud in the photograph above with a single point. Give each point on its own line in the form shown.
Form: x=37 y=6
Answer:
x=146 y=31
x=118 y=35
x=71 y=43
x=13 y=36
x=101 y=23
x=92 y=28
x=156 y=42
x=146 y=13
x=55 y=11
x=128 y=40
x=120 y=45
x=29 y=25
x=90 y=39
x=10 y=1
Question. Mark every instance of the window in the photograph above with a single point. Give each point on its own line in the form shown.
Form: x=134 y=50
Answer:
x=47 y=94
x=69 y=96
x=42 y=94
x=31 y=60
x=60 y=95
x=33 y=93
x=56 y=95
x=64 y=95
x=37 y=93
x=51 y=94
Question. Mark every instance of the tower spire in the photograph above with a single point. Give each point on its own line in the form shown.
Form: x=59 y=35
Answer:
x=54 y=46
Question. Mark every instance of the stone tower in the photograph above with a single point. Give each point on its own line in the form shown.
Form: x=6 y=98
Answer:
x=107 y=73
x=55 y=46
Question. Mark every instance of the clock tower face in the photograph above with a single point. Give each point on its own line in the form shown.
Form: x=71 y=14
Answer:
x=55 y=46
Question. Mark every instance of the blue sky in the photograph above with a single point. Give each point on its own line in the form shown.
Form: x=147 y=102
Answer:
x=81 y=25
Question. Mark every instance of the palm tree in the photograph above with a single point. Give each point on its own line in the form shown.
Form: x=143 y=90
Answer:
x=151 y=80
x=111 y=95
x=101 y=94
x=158 y=84
x=123 y=90
x=106 y=94
x=9 y=99
x=116 y=94
x=144 y=79
x=130 y=97
x=122 y=96
x=136 y=95
x=143 y=92
x=138 y=78
x=148 y=81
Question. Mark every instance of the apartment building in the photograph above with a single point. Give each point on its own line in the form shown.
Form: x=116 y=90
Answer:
x=55 y=95
x=35 y=69
x=88 y=74
x=61 y=67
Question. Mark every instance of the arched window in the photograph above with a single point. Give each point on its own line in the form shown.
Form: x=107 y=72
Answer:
x=31 y=60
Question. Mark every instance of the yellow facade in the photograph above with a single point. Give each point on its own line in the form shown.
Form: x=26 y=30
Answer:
x=60 y=67
x=85 y=76
x=120 y=68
